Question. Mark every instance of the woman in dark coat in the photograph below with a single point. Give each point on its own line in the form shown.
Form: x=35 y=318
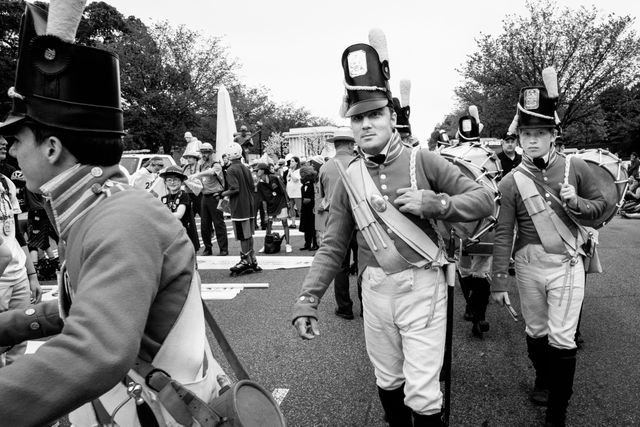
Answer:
x=307 y=218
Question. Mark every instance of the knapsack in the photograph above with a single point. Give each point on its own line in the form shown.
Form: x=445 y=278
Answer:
x=272 y=243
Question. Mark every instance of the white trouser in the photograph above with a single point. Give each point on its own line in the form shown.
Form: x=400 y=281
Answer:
x=17 y=295
x=551 y=293
x=401 y=345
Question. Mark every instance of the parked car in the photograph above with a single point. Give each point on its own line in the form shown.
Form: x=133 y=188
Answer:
x=134 y=161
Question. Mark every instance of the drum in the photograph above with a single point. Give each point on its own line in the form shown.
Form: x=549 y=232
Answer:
x=612 y=179
x=481 y=164
x=247 y=404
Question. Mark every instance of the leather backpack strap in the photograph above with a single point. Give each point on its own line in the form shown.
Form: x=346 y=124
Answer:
x=540 y=215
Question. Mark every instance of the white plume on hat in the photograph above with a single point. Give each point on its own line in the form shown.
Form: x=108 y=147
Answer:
x=473 y=112
x=344 y=106
x=513 y=127
x=405 y=92
x=378 y=41
x=550 y=79
x=64 y=18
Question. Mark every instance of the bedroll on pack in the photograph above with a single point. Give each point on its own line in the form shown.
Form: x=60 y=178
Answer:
x=272 y=243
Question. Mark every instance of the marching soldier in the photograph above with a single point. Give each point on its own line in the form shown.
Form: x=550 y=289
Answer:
x=129 y=305
x=403 y=111
x=399 y=192
x=540 y=197
x=474 y=270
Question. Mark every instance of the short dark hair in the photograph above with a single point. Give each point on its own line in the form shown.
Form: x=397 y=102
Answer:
x=87 y=148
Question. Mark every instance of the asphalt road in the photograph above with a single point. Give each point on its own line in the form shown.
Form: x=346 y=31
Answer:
x=330 y=382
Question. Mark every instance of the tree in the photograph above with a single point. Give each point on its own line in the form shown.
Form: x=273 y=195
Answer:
x=276 y=145
x=590 y=52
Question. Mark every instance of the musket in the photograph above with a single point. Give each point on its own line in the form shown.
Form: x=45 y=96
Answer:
x=445 y=375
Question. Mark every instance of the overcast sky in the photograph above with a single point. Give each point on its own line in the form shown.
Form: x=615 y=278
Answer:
x=293 y=48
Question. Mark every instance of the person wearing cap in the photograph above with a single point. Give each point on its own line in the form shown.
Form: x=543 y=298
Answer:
x=193 y=145
x=559 y=144
x=399 y=192
x=193 y=187
x=403 y=111
x=540 y=199
x=144 y=177
x=214 y=184
x=328 y=178
x=239 y=192
x=509 y=157
x=273 y=196
x=129 y=293
x=178 y=202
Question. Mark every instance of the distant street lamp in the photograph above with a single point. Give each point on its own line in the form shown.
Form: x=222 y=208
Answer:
x=259 y=124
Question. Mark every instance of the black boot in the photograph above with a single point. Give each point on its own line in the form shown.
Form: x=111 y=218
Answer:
x=537 y=348
x=465 y=286
x=562 y=368
x=479 y=299
x=396 y=413
x=434 y=420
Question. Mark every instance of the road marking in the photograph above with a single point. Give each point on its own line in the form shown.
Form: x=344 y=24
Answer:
x=279 y=394
x=220 y=294
x=210 y=286
x=271 y=262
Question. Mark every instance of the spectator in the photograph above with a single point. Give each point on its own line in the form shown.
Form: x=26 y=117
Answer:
x=293 y=189
x=509 y=158
x=19 y=284
x=178 y=202
x=39 y=230
x=274 y=198
x=144 y=177
x=308 y=177
x=193 y=190
x=632 y=169
x=214 y=183
x=239 y=193
x=193 y=145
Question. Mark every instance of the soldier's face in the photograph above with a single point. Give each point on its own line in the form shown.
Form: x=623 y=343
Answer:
x=536 y=142
x=32 y=159
x=373 y=129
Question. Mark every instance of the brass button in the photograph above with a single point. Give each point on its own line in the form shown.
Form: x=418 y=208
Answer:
x=30 y=311
x=96 y=172
x=383 y=186
x=383 y=176
x=385 y=197
x=545 y=178
x=381 y=166
x=546 y=194
x=389 y=231
x=34 y=326
x=311 y=299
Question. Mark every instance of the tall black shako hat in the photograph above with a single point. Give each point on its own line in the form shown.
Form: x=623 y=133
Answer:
x=469 y=127
x=537 y=104
x=366 y=75
x=401 y=107
x=61 y=84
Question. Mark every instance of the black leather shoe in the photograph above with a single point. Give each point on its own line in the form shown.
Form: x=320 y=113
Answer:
x=305 y=248
x=207 y=252
x=224 y=253
x=314 y=248
x=348 y=316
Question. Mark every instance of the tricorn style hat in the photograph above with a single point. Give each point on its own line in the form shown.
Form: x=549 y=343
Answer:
x=61 y=84
x=366 y=75
x=469 y=127
x=401 y=106
x=537 y=104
